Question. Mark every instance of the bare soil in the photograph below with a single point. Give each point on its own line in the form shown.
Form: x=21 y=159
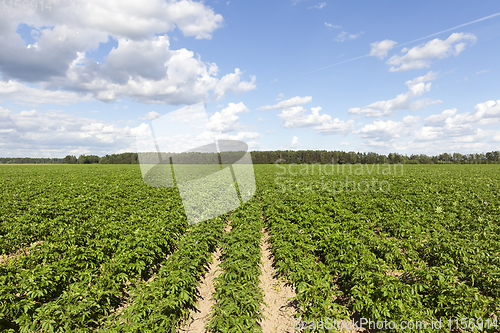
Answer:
x=278 y=310
x=199 y=320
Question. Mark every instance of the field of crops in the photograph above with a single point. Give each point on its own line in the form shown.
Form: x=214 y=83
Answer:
x=92 y=248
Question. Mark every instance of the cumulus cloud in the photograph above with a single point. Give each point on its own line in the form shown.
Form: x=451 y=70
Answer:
x=49 y=57
x=295 y=116
x=380 y=49
x=460 y=126
x=294 y=101
x=439 y=119
x=437 y=133
x=136 y=20
x=385 y=133
x=26 y=95
x=56 y=133
x=416 y=88
x=143 y=58
x=78 y=26
x=484 y=114
x=151 y=115
x=298 y=117
x=421 y=56
x=227 y=120
x=150 y=72
x=142 y=66
x=232 y=82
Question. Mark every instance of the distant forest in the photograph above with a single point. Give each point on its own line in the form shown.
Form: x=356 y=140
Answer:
x=280 y=156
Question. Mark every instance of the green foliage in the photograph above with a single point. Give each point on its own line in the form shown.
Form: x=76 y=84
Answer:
x=95 y=249
x=237 y=291
x=426 y=249
x=161 y=304
x=76 y=237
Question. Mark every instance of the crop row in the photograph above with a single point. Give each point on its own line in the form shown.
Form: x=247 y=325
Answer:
x=237 y=292
x=73 y=241
x=425 y=250
x=162 y=303
x=295 y=260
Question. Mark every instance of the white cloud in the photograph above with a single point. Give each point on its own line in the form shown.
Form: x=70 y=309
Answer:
x=78 y=26
x=421 y=56
x=31 y=113
x=449 y=130
x=149 y=16
x=227 y=120
x=416 y=88
x=294 y=101
x=193 y=18
x=439 y=119
x=295 y=141
x=26 y=95
x=438 y=133
x=240 y=136
x=386 y=133
x=150 y=72
x=295 y=116
x=449 y=124
x=142 y=66
x=298 y=117
x=380 y=49
x=483 y=71
x=280 y=97
x=147 y=71
x=151 y=115
x=347 y=36
x=232 y=82
x=56 y=133
x=329 y=25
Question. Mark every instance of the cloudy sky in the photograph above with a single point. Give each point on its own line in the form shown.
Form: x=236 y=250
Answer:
x=87 y=77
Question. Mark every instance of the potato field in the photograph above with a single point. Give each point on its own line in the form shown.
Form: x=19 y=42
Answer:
x=92 y=248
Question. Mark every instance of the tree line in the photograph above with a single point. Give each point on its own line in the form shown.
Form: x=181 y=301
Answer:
x=342 y=157
x=271 y=157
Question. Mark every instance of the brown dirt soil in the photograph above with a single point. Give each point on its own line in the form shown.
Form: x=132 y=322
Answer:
x=198 y=320
x=278 y=311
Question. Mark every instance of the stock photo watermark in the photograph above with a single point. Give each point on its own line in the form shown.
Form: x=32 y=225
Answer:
x=26 y=5
x=329 y=169
x=213 y=176
x=332 y=186
x=287 y=182
x=367 y=323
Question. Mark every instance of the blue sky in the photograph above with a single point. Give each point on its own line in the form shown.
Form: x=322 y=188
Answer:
x=383 y=76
